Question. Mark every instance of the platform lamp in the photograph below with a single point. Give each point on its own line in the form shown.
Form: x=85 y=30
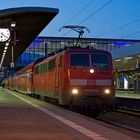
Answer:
x=13 y=38
x=13 y=24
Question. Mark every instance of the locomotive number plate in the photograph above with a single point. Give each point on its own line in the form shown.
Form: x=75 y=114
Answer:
x=91 y=90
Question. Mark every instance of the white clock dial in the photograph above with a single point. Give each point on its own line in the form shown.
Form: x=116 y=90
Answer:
x=4 y=34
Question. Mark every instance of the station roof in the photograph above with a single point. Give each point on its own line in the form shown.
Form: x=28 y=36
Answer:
x=30 y=21
x=127 y=58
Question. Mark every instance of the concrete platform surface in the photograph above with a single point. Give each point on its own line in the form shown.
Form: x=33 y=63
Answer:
x=20 y=121
x=26 y=118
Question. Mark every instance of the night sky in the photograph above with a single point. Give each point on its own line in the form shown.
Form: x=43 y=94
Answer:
x=117 y=19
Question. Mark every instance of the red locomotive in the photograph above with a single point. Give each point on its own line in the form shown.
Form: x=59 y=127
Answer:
x=75 y=76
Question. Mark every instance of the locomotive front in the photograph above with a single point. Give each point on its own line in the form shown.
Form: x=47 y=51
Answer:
x=91 y=78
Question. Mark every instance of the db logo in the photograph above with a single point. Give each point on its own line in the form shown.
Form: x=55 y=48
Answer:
x=91 y=82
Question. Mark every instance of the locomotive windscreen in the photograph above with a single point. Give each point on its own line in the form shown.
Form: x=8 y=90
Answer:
x=100 y=60
x=79 y=60
x=97 y=60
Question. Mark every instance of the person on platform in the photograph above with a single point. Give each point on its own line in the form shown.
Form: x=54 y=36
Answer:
x=3 y=85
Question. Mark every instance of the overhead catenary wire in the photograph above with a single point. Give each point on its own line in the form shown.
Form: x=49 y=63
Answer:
x=132 y=34
x=81 y=10
x=120 y=27
x=75 y=15
x=94 y=13
x=99 y=9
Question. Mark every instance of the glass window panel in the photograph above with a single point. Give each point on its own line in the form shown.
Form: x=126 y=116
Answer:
x=100 y=60
x=79 y=60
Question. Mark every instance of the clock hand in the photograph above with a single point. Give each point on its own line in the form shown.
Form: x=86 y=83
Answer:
x=4 y=35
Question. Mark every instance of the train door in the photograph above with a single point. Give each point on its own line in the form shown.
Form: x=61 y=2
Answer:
x=29 y=82
x=57 y=76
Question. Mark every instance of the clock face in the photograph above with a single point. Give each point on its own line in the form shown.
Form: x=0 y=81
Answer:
x=4 y=34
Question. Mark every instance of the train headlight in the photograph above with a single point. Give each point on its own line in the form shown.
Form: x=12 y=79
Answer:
x=74 y=91
x=91 y=70
x=107 y=91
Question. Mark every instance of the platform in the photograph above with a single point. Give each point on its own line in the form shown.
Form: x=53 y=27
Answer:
x=26 y=118
x=127 y=94
x=20 y=121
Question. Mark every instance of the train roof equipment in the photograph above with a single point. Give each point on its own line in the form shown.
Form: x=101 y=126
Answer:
x=77 y=28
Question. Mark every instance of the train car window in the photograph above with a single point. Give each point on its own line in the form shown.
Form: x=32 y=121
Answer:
x=79 y=60
x=46 y=66
x=43 y=67
x=61 y=61
x=100 y=60
x=36 y=70
x=51 y=64
x=39 y=69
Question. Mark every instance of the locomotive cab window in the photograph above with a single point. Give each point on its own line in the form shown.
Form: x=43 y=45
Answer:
x=79 y=60
x=100 y=60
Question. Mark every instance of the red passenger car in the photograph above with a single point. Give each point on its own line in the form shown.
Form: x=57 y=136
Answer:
x=23 y=79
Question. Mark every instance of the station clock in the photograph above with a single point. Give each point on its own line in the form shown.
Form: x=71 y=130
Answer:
x=4 y=34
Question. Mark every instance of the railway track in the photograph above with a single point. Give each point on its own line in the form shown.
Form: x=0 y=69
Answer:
x=119 y=124
x=123 y=117
x=130 y=111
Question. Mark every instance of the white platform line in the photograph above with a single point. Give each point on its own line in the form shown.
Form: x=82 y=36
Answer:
x=79 y=128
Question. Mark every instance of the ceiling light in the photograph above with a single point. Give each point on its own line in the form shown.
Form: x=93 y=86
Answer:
x=118 y=60
x=128 y=58
x=7 y=44
x=5 y=48
x=13 y=24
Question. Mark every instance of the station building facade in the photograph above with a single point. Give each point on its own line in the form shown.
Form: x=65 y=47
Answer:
x=127 y=78
x=41 y=46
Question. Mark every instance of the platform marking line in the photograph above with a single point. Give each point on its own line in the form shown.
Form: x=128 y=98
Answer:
x=79 y=128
